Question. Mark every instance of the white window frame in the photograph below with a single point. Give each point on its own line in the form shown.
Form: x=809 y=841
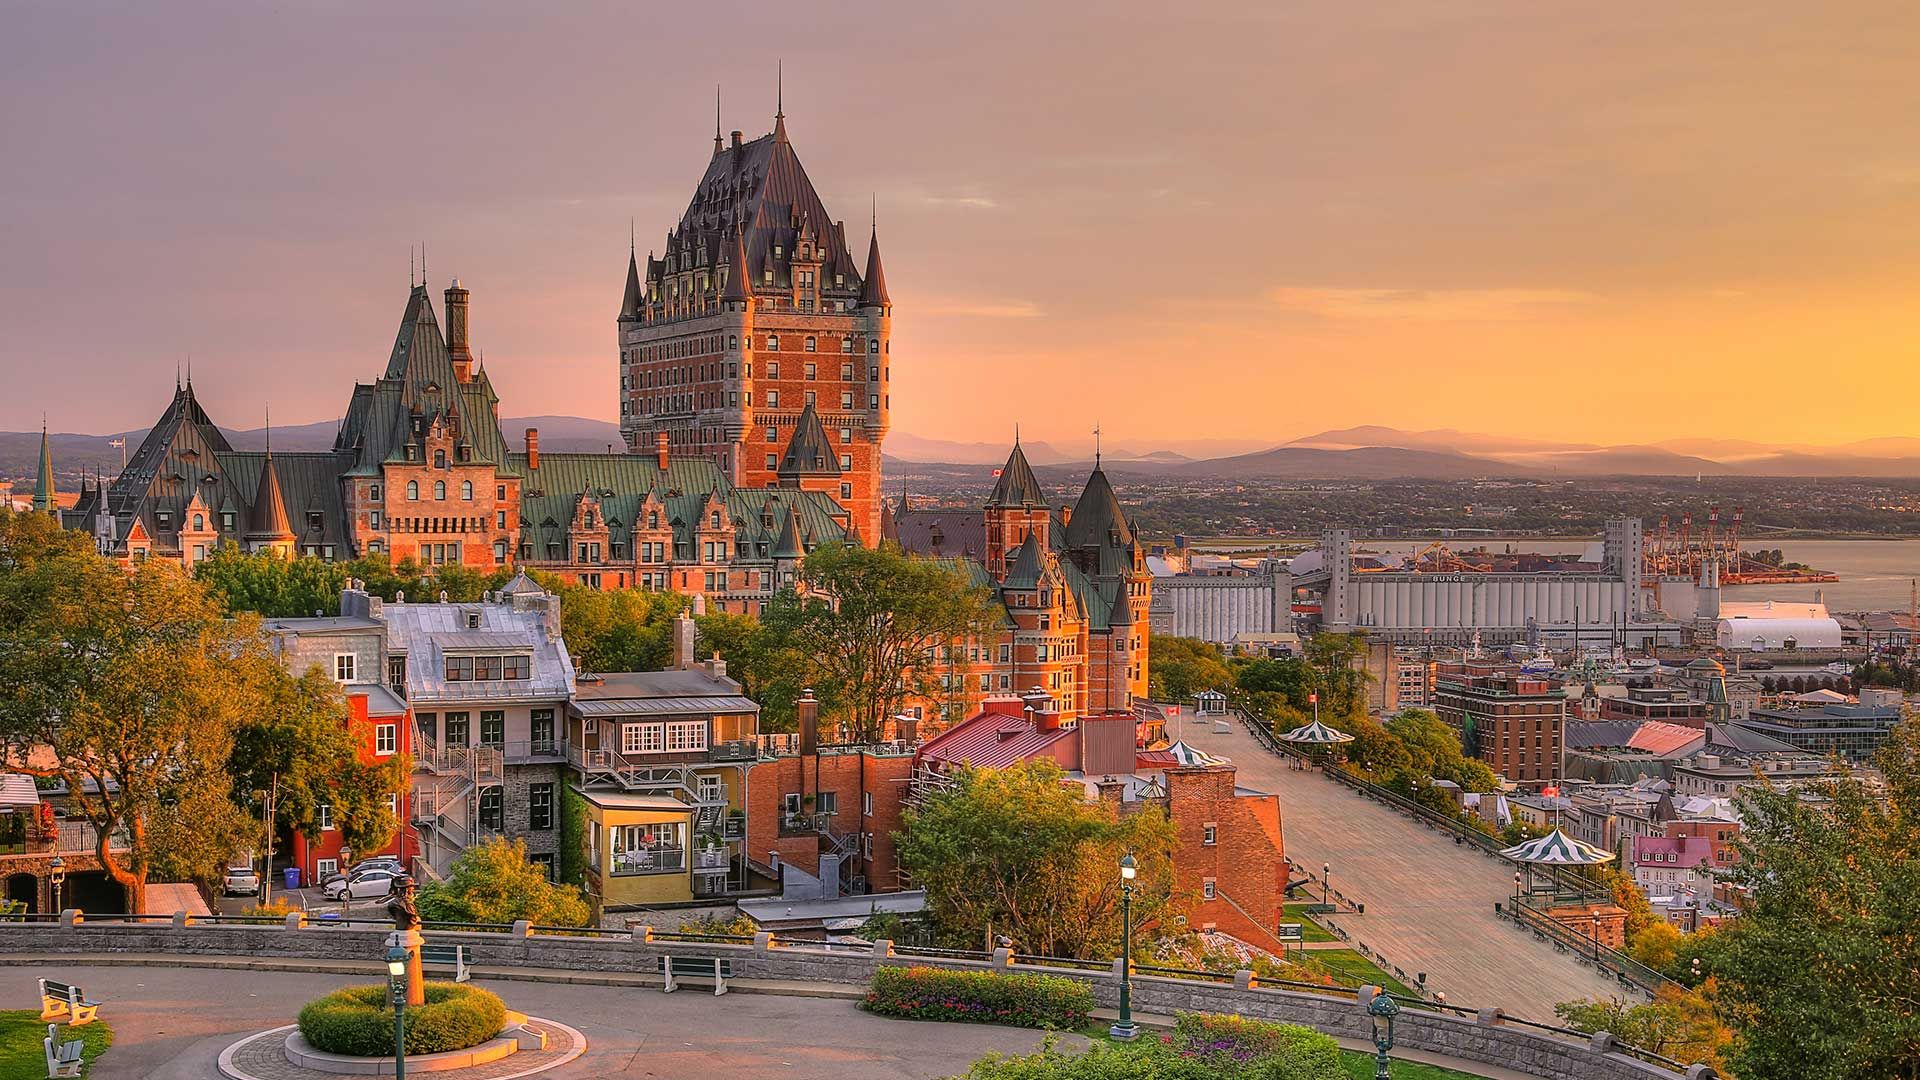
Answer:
x=324 y=813
x=1209 y=834
x=1208 y=891
x=642 y=738
x=343 y=665
x=686 y=736
x=323 y=867
x=386 y=739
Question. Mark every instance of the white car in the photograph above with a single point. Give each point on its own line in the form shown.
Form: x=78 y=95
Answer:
x=241 y=881
x=389 y=863
x=367 y=886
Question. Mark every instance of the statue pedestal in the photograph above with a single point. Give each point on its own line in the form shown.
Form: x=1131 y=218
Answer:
x=411 y=941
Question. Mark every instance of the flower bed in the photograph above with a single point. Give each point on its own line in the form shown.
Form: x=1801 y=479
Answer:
x=1201 y=1047
x=981 y=997
x=358 y=1021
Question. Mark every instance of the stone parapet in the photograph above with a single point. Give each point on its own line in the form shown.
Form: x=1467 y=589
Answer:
x=1486 y=1037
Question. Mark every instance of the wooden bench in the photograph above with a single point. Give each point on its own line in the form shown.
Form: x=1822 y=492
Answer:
x=719 y=969
x=63 y=1001
x=63 y=1058
x=457 y=957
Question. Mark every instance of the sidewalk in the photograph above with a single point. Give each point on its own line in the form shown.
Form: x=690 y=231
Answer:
x=774 y=987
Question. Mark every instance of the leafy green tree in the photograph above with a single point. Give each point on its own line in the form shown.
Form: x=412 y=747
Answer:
x=870 y=628
x=1291 y=678
x=1017 y=852
x=1681 y=1024
x=1435 y=751
x=129 y=688
x=298 y=750
x=492 y=882
x=1818 y=971
x=769 y=670
x=1377 y=752
x=618 y=629
x=272 y=585
x=1178 y=668
x=1340 y=677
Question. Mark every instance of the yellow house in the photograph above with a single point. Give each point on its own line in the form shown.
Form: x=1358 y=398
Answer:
x=642 y=849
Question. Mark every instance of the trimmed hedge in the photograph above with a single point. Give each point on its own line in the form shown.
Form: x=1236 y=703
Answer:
x=1258 y=1048
x=358 y=1021
x=981 y=997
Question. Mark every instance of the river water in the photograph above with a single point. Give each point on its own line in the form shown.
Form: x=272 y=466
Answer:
x=1875 y=575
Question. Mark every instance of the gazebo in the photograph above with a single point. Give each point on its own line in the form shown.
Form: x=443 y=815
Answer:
x=1210 y=703
x=1557 y=849
x=1316 y=734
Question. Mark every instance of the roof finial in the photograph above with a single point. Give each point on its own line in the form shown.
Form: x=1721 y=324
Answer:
x=409 y=266
x=1096 y=444
x=1016 y=434
x=633 y=239
x=423 y=262
x=189 y=371
x=873 y=213
x=176 y=379
x=269 y=430
x=779 y=90
x=716 y=118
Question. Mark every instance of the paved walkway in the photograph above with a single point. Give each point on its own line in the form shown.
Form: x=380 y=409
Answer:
x=1429 y=901
x=172 y=1023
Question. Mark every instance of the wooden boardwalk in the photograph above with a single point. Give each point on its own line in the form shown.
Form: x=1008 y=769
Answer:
x=1429 y=901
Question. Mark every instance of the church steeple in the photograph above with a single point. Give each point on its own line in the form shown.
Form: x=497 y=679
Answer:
x=873 y=288
x=630 y=304
x=43 y=495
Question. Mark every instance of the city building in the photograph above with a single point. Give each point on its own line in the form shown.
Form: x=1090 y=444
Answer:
x=421 y=471
x=1769 y=626
x=661 y=760
x=1685 y=860
x=351 y=650
x=33 y=835
x=1855 y=732
x=1669 y=705
x=1510 y=720
x=1070 y=586
x=757 y=313
x=1222 y=605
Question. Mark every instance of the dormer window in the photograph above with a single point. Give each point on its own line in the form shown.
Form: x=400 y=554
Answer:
x=653 y=519
x=226 y=520
x=716 y=519
x=163 y=518
x=199 y=523
x=473 y=620
x=439 y=459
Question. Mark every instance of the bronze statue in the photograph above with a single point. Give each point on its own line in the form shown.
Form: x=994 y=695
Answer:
x=405 y=915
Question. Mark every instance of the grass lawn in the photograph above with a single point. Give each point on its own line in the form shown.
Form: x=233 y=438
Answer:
x=1360 y=1067
x=22 y=1057
x=1353 y=969
x=1309 y=930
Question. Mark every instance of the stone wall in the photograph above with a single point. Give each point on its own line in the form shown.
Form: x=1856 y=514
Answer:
x=1488 y=1039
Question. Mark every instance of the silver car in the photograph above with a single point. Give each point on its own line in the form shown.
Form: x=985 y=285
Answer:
x=241 y=881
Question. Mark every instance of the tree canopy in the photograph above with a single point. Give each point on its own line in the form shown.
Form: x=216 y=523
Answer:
x=492 y=882
x=1017 y=852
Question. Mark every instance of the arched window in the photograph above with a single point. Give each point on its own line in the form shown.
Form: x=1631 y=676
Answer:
x=773 y=343
x=874 y=346
x=439 y=459
x=810 y=343
x=199 y=523
x=466 y=489
x=716 y=519
x=440 y=489
x=413 y=489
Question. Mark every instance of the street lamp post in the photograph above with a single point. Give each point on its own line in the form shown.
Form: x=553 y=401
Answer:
x=1326 y=882
x=1596 y=939
x=1516 y=894
x=397 y=991
x=1124 y=1029
x=57 y=876
x=1382 y=1009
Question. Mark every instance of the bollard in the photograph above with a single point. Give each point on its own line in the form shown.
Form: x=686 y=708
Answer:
x=763 y=942
x=71 y=917
x=1489 y=1017
x=522 y=928
x=1003 y=957
x=296 y=920
x=182 y=920
x=883 y=947
x=1602 y=1042
x=1243 y=980
x=643 y=935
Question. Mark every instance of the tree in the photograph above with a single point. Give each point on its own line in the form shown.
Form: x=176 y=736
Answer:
x=1817 y=973
x=618 y=629
x=1680 y=1024
x=1291 y=679
x=871 y=628
x=1339 y=675
x=1627 y=895
x=1018 y=852
x=1178 y=668
x=492 y=882
x=1377 y=752
x=272 y=585
x=768 y=669
x=136 y=683
x=298 y=750
x=1435 y=751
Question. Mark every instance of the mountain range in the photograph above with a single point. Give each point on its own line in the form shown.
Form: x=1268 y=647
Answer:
x=1357 y=453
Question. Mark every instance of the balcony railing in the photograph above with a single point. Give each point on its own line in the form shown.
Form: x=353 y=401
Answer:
x=649 y=861
x=711 y=859
x=74 y=837
x=522 y=751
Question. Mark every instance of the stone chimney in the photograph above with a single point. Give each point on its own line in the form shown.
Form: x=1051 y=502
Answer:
x=683 y=634
x=533 y=448
x=736 y=140
x=716 y=668
x=457 y=348
x=809 y=709
x=660 y=449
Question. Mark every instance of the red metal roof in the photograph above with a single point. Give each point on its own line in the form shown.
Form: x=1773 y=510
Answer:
x=993 y=739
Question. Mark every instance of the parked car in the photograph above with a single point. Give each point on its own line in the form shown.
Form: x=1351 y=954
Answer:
x=378 y=862
x=241 y=881
x=372 y=885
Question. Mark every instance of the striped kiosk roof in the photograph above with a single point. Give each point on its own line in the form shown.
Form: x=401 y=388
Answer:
x=1557 y=849
x=1316 y=734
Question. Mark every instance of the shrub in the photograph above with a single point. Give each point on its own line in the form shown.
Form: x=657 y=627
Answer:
x=277 y=908
x=1237 y=1046
x=359 y=1020
x=983 y=997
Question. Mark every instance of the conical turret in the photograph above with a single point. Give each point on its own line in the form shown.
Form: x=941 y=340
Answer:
x=43 y=496
x=873 y=289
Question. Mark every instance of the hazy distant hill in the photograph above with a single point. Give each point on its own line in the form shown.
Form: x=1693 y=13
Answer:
x=1361 y=463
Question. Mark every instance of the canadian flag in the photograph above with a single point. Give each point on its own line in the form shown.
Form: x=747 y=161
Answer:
x=996 y=472
x=1549 y=791
x=1313 y=699
x=1173 y=710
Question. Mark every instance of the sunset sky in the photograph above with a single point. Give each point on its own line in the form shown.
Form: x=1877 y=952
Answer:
x=1242 y=221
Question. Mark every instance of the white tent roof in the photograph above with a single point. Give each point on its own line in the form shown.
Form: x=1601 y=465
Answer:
x=1316 y=734
x=1557 y=849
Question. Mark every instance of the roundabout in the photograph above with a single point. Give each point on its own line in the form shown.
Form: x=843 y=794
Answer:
x=281 y=1054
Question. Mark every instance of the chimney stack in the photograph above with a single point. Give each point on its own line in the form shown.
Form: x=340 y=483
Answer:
x=457 y=348
x=683 y=634
x=533 y=448
x=716 y=668
x=736 y=140
x=809 y=709
x=660 y=449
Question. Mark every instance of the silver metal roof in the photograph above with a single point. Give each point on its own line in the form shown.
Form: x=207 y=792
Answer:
x=664 y=706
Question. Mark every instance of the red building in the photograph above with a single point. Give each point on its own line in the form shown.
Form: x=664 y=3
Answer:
x=382 y=728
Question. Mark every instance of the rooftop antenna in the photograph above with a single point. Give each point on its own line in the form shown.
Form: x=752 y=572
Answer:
x=1096 y=444
x=409 y=266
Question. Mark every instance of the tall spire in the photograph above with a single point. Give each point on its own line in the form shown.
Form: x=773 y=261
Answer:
x=716 y=119
x=630 y=303
x=779 y=102
x=43 y=499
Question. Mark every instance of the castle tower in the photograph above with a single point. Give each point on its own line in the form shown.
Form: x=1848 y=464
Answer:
x=1017 y=507
x=755 y=310
x=43 y=495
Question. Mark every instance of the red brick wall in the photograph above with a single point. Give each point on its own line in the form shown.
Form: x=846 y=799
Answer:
x=1246 y=862
x=847 y=776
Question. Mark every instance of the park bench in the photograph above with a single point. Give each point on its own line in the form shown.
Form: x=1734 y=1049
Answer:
x=457 y=957
x=63 y=1001
x=63 y=1058
x=716 y=968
